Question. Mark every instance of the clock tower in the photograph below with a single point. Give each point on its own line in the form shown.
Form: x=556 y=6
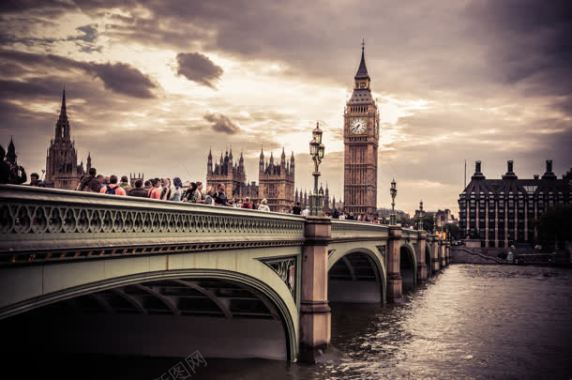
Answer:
x=361 y=138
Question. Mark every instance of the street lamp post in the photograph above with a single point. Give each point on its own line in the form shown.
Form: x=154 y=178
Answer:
x=421 y=215
x=317 y=151
x=393 y=192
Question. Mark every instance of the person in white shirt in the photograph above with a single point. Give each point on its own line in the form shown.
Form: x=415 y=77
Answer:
x=305 y=212
x=264 y=205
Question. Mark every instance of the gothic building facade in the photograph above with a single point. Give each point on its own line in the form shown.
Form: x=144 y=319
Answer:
x=227 y=172
x=275 y=180
x=361 y=138
x=62 y=169
x=501 y=212
x=328 y=205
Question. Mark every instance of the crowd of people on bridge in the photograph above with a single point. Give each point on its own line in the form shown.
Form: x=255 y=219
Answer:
x=168 y=189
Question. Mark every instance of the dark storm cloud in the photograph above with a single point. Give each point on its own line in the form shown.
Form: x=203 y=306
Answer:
x=123 y=79
x=221 y=123
x=49 y=8
x=530 y=41
x=89 y=33
x=117 y=77
x=198 y=68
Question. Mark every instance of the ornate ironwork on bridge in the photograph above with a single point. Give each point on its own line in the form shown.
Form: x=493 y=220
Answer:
x=46 y=225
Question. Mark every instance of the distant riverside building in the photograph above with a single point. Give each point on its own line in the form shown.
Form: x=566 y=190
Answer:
x=329 y=204
x=275 y=180
x=62 y=170
x=402 y=217
x=504 y=211
x=134 y=177
x=227 y=172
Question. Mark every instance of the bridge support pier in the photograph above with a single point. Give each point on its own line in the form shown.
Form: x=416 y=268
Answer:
x=420 y=252
x=315 y=313
x=442 y=260
x=394 y=281
x=435 y=254
x=447 y=253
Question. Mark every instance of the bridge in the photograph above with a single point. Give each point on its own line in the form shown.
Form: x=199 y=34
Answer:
x=86 y=272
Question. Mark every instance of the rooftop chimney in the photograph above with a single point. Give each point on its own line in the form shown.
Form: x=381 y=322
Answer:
x=549 y=174
x=509 y=171
x=478 y=174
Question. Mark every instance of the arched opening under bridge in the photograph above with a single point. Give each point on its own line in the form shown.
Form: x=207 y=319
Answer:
x=218 y=316
x=408 y=268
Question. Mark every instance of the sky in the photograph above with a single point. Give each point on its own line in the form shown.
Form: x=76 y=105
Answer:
x=153 y=85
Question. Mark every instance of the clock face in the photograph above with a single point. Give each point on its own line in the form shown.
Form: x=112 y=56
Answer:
x=358 y=125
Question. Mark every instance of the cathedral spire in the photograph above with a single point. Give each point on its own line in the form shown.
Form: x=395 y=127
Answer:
x=88 y=165
x=11 y=154
x=63 y=110
x=63 y=125
x=362 y=69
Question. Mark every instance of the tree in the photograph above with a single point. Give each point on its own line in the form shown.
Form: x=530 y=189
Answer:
x=454 y=231
x=555 y=225
x=428 y=221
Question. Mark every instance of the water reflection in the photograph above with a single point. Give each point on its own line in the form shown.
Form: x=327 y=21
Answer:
x=470 y=322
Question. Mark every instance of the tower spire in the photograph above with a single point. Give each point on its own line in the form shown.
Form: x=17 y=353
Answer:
x=63 y=125
x=362 y=69
x=63 y=110
x=11 y=154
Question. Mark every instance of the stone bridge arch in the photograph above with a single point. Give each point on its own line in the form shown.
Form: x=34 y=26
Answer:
x=357 y=275
x=246 y=295
x=408 y=266
x=428 y=260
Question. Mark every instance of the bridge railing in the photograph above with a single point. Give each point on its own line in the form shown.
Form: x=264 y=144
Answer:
x=409 y=234
x=38 y=224
x=350 y=230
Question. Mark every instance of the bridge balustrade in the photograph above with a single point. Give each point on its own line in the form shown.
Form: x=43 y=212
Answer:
x=38 y=225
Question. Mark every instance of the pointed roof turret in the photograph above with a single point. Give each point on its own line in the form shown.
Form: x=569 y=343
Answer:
x=210 y=154
x=362 y=69
x=63 y=125
x=63 y=109
x=11 y=154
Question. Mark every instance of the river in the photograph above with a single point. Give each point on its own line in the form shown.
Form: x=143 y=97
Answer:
x=470 y=322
